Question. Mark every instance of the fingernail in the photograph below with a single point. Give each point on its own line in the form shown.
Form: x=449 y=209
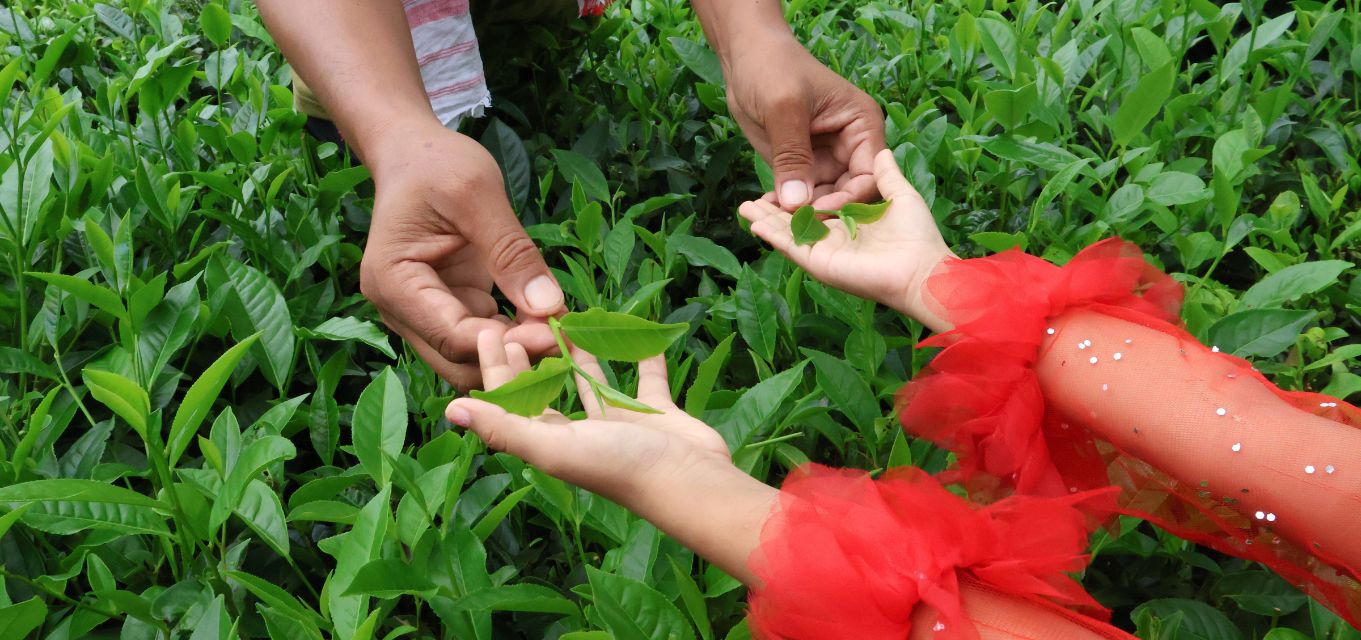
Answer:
x=543 y=294
x=459 y=416
x=793 y=192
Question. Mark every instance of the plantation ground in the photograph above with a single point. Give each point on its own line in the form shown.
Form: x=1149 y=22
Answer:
x=189 y=378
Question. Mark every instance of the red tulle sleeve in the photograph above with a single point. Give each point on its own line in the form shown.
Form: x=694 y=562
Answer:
x=845 y=556
x=1059 y=380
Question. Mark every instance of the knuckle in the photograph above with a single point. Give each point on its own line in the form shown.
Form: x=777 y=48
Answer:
x=481 y=175
x=513 y=251
x=786 y=98
x=369 y=278
x=443 y=344
x=792 y=156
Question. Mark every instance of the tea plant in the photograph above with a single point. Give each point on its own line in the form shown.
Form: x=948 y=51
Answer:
x=204 y=433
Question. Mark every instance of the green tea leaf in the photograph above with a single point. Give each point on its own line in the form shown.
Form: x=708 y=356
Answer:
x=121 y=395
x=100 y=297
x=17 y=620
x=807 y=227
x=389 y=578
x=1293 y=282
x=484 y=527
x=1259 y=332
x=199 y=399
x=703 y=252
x=699 y=59
x=865 y=213
x=631 y=609
x=349 y=328
x=847 y=390
x=757 y=406
x=697 y=398
x=1010 y=107
x=1176 y=187
x=380 y=425
x=216 y=23
x=526 y=597
x=1142 y=103
x=576 y=167
x=68 y=505
x=256 y=305
x=756 y=317
x=619 y=399
x=618 y=336
x=530 y=393
x=1184 y=619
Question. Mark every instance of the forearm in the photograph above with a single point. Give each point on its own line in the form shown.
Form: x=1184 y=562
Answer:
x=717 y=513
x=733 y=27
x=358 y=58
x=1203 y=419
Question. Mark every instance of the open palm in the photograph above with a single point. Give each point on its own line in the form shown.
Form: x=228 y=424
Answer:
x=886 y=261
x=610 y=453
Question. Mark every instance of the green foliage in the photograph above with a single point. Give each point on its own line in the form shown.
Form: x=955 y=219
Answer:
x=205 y=433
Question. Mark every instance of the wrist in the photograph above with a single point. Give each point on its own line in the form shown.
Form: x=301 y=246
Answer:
x=758 y=42
x=386 y=141
x=911 y=299
x=734 y=28
x=713 y=508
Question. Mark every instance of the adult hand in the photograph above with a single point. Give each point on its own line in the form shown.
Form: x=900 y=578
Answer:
x=887 y=261
x=818 y=132
x=443 y=233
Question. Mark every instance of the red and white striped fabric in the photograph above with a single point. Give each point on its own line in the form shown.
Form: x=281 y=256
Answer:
x=446 y=50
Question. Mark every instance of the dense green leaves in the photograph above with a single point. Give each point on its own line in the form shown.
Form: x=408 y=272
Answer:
x=177 y=252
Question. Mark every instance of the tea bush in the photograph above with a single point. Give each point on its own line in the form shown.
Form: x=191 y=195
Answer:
x=205 y=434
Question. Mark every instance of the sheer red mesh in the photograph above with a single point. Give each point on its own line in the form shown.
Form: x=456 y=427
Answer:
x=1062 y=380
x=845 y=556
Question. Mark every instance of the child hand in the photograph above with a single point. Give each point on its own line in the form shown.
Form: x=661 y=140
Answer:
x=617 y=453
x=887 y=261
x=669 y=468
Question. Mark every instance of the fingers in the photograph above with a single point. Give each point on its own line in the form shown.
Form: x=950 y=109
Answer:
x=462 y=376
x=534 y=336
x=591 y=366
x=890 y=178
x=653 y=388
x=859 y=188
x=510 y=256
x=788 y=124
x=772 y=225
x=538 y=442
x=517 y=357
x=492 y=357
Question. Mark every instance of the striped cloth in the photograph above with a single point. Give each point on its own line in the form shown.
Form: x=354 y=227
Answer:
x=451 y=65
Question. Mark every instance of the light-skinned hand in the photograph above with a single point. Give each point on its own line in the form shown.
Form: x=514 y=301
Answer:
x=887 y=261
x=669 y=468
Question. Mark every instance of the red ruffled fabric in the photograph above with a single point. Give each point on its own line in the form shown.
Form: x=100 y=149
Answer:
x=845 y=556
x=592 y=8
x=981 y=398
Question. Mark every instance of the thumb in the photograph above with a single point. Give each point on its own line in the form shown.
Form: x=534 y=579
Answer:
x=889 y=177
x=514 y=261
x=791 y=153
x=501 y=430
